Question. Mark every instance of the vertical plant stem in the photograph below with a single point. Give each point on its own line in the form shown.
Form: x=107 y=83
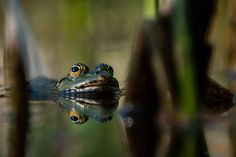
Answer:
x=149 y=8
x=186 y=71
x=192 y=52
x=15 y=76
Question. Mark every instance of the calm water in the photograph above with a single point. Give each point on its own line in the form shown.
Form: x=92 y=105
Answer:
x=102 y=32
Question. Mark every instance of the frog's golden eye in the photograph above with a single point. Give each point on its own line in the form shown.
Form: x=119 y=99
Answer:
x=105 y=67
x=74 y=118
x=74 y=69
x=77 y=70
x=77 y=118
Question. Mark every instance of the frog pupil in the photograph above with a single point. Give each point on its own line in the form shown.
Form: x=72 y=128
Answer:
x=74 y=69
x=74 y=118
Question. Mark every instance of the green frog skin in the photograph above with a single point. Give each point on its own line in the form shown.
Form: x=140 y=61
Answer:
x=82 y=80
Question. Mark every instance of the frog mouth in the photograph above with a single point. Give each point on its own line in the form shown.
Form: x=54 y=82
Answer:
x=93 y=89
x=99 y=85
x=95 y=92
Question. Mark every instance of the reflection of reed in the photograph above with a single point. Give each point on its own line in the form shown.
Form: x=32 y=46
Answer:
x=19 y=112
x=15 y=75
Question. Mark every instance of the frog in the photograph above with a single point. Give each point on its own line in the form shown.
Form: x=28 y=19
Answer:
x=81 y=80
x=81 y=84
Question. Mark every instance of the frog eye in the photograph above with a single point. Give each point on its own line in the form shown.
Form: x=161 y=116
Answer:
x=77 y=70
x=74 y=69
x=105 y=67
x=77 y=118
x=74 y=118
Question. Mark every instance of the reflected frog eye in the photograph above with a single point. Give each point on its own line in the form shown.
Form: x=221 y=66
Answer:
x=77 y=118
x=77 y=70
x=74 y=118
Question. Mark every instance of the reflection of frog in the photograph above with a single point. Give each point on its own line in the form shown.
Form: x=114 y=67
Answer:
x=81 y=109
x=82 y=80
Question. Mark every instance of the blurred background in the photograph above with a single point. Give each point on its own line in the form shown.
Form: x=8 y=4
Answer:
x=92 y=32
x=67 y=32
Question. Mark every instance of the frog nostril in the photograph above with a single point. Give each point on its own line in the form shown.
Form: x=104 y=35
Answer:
x=74 y=118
